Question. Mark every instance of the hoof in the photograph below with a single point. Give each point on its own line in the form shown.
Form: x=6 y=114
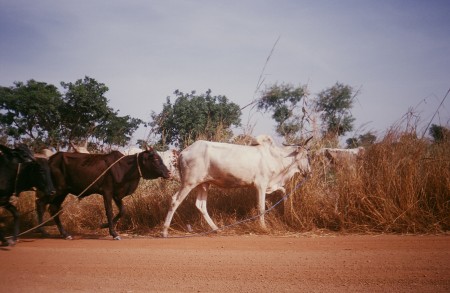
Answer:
x=68 y=237
x=164 y=234
x=8 y=242
x=117 y=238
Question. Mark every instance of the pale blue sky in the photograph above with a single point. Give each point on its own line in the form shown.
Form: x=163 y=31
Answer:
x=396 y=52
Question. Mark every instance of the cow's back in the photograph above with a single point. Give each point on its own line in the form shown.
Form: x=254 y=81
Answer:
x=72 y=172
x=221 y=163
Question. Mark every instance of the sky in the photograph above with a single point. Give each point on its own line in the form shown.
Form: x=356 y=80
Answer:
x=395 y=53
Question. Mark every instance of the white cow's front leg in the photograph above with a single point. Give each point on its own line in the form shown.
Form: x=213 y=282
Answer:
x=177 y=198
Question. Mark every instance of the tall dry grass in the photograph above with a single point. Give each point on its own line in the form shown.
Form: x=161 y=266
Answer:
x=400 y=185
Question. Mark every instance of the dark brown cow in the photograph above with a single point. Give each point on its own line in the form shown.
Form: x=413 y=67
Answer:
x=74 y=172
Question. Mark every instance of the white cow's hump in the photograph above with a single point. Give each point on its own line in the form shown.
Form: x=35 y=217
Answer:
x=262 y=139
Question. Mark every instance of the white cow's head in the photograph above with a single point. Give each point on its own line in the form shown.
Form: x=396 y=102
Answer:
x=302 y=158
x=170 y=159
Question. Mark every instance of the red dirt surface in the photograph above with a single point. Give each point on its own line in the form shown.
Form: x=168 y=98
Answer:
x=299 y=263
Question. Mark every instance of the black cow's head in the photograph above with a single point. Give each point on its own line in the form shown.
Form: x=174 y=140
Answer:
x=36 y=174
x=20 y=154
x=152 y=165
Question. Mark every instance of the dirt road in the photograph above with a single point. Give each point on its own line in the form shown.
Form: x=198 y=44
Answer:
x=301 y=263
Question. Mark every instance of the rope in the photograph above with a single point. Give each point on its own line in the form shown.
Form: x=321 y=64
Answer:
x=137 y=162
x=248 y=219
x=77 y=196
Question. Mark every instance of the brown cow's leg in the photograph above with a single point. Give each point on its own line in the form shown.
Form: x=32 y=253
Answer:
x=40 y=209
x=121 y=208
x=54 y=212
x=109 y=215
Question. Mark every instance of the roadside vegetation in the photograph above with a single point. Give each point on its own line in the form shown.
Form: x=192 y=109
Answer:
x=400 y=185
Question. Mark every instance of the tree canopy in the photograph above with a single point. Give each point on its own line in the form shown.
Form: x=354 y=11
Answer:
x=439 y=133
x=193 y=116
x=335 y=104
x=31 y=111
x=283 y=101
x=363 y=140
x=37 y=112
x=292 y=112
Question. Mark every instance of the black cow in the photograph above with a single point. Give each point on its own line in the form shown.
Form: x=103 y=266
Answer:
x=20 y=154
x=74 y=172
x=19 y=171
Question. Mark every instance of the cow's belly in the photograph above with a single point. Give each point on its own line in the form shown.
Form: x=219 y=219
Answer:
x=230 y=182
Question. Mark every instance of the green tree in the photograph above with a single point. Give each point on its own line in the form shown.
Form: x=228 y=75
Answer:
x=283 y=101
x=39 y=113
x=335 y=104
x=31 y=111
x=364 y=140
x=85 y=108
x=86 y=115
x=194 y=116
x=439 y=133
x=118 y=130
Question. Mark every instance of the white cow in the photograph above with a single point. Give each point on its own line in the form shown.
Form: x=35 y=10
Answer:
x=73 y=148
x=131 y=151
x=82 y=149
x=338 y=156
x=263 y=165
x=44 y=154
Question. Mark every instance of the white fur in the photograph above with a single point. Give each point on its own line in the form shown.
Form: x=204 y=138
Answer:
x=264 y=166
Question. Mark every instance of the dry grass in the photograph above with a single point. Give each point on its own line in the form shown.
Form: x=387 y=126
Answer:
x=401 y=185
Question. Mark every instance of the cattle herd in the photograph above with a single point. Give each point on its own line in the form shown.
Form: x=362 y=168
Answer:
x=262 y=165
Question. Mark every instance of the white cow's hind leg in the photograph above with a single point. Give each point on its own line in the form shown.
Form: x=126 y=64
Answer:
x=200 y=203
x=177 y=198
x=262 y=206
